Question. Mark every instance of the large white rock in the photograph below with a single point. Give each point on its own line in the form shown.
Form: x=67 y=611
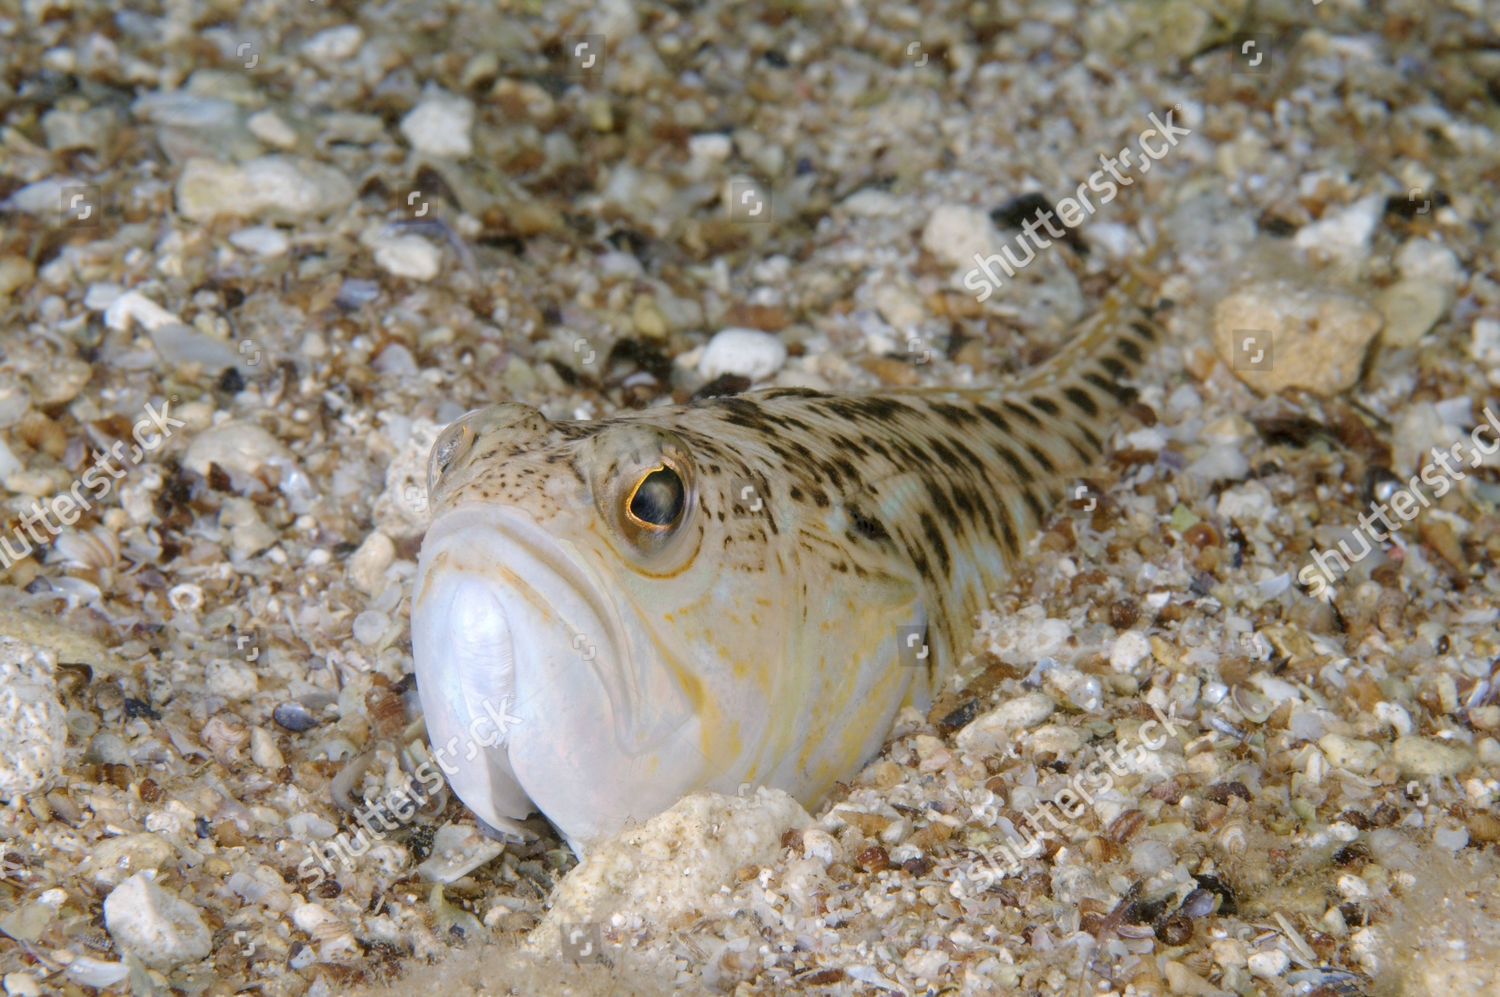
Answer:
x=1276 y=335
x=163 y=930
x=746 y=352
x=675 y=865
x=32 y=734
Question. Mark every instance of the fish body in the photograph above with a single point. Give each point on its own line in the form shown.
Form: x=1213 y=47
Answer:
x=611 y=614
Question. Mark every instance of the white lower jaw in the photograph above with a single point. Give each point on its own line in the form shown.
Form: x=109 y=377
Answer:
x=532 y=698
x=465 y=670
x=482 y=617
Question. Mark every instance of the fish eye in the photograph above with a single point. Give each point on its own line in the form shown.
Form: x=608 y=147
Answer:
x=658 y=499
x=448 y=448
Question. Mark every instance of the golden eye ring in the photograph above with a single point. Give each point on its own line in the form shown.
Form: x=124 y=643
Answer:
x=658 y=500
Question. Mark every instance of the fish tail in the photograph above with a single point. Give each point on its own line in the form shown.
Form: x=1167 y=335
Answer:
x=1118 y=318
x=1082 y=389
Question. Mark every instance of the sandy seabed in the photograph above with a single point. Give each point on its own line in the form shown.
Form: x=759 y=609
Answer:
x=306 y=235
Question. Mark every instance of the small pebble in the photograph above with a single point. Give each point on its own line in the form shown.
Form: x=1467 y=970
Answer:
x=180 y=344
x=134 y=307
x=997 y=725
x=440 y=124
x=368 y=563
x=294 y=717
x=1128 y=651
x=1268 y=965
x=356 y=292
x=273 y=188
x=21 y=985
x=1411 y=308
x=1343 y=233
x=1484 y=343
x=241 y=448
x=745 y=352
x=954 y=233
x=88 y=128
x=161 y=929
x=270 y=128
x=261 y=240
x=1425 y=756
x=333 y=44
x=1276 y=335
x=408 y=256
x=457 y=850
x=369 y=626
x=263 y=750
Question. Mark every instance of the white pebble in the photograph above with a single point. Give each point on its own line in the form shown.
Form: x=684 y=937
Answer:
x=21 y=985
x=1128 y=651
x=367 y=565
x=440 y=124
x=334 y=44
x=954 y=233
x=1344 y=233
x=161 y=929
x=269 y=127
x=1394 y=715
x=44 y=197
x=263 y=750
x=1150 y=857
x=369 y=626
x=1220 y=463
x=1268 y=965
x=1451 y=838
x=15 y=401
x=180 y=344
x=1247 y=503
x=238 y=447
x=276 y=188
x=746 y=352
x=33 y=737
x=989 y=729
x=872 y=202
x=230 y=679
x=1352 y=887
x=710 y=147
x=1426 y=260
x=457 y=849
x=308 y=826
x=1484 y=342
x=408 y=256
x=262 y=240
x=132 y=306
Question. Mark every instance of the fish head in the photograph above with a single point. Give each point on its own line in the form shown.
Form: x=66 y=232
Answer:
x=552 y=672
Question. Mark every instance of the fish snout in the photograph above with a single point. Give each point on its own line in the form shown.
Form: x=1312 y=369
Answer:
x=464 y=658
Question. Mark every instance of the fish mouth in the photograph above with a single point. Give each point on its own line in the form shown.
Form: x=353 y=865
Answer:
x=521 y=661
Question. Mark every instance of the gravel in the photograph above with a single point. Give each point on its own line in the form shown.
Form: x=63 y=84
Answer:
x=316 y=235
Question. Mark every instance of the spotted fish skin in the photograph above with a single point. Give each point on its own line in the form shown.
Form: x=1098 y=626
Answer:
x=758 y=635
